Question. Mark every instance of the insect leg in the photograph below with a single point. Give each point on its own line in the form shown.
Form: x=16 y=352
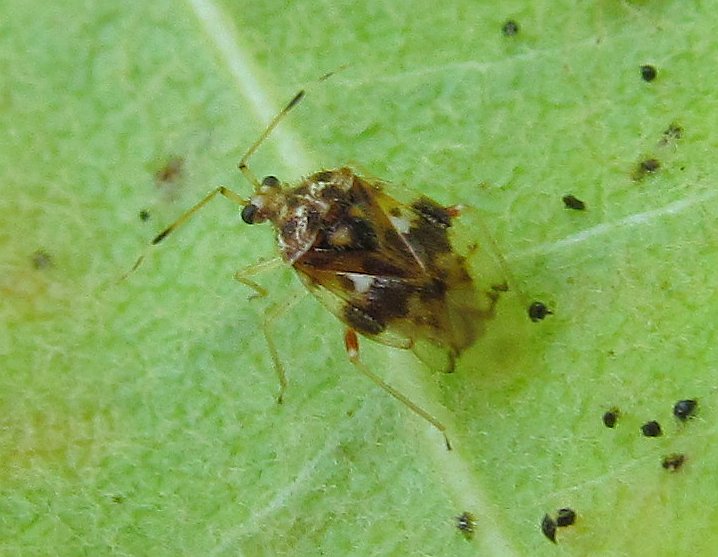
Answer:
x=259 y=267
x=273 y=313
x=351 y=343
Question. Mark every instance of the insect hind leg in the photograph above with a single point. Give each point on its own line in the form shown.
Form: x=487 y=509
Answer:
x=351 y=343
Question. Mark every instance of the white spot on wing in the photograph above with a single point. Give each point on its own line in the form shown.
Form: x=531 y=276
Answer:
x=401 y=224
x=362 y=283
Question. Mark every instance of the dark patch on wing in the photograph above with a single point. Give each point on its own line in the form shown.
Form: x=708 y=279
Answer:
x=428 y=239
x=435 y=289
x=361 y=321
x=388 y=299
x=432 y=211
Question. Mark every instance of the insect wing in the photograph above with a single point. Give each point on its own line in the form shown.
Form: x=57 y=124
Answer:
x=336 y=299
x=387 y=270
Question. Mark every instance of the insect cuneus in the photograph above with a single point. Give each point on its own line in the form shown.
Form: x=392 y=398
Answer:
x=386 y=269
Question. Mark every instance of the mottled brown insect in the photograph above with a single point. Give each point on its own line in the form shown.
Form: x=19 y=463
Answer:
x=385 y=268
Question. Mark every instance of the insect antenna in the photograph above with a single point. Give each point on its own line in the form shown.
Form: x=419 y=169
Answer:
x=184 y=217
x=248 y=174
x=243 y=167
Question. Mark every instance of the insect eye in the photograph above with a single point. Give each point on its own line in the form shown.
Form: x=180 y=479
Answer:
x=270 y=182
x=249 y=213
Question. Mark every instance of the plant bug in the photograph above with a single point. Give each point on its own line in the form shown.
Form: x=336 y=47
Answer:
x=386 y=269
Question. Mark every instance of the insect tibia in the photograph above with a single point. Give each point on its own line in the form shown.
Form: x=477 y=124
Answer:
x=351 y=343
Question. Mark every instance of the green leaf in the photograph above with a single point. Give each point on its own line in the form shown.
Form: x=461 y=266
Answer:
x=138 y=417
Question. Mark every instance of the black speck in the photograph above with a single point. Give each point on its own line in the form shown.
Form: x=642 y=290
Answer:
x=538 y=311
x=648 y=72
x=510 y=28
x=144 y=215
x=684 y=409
x=651 y=429
x=674 y=132
x=548 y=527
x=644 y=168
x=650 y=165
x=611 y=417
x=466 y=522
x=572 y=202
x=41 y=260
x=673 y=461
x=565 y=517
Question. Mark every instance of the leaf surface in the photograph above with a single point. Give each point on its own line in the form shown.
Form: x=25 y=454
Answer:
x=138 y=417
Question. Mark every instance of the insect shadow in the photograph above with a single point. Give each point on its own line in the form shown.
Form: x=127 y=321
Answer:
x=387 y=269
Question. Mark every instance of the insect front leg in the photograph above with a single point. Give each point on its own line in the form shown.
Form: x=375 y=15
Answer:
x=351 y=343
x=259 y=267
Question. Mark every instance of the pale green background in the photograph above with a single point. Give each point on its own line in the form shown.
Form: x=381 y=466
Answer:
x=138 y=418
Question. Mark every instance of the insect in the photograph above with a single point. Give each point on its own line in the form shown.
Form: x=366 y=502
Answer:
x=385 y=268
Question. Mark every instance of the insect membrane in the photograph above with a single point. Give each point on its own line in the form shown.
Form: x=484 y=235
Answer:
x=386 y=269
